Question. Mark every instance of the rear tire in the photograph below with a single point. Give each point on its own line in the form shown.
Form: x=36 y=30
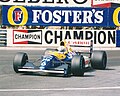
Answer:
x=99 y=60
x=20 y=60
x=78 y=65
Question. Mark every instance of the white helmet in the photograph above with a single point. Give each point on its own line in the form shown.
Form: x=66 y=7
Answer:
x=61 y=49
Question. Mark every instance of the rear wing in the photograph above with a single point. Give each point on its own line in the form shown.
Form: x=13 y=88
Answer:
x=81 y=43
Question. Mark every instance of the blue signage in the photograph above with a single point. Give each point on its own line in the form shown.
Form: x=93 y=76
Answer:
x=54 y=16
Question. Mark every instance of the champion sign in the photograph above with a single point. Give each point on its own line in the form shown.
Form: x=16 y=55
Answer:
x=48 y=37
x=27 y=37
x=99 y=37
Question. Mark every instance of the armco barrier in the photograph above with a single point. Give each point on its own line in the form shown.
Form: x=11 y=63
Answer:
x=3 y=37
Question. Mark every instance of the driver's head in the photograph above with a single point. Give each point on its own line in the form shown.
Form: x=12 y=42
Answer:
x=61 y=49
x=62 y=43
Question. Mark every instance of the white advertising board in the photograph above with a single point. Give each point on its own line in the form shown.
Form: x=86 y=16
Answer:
x=97 y=2
x=60 y=3
x=50 y=37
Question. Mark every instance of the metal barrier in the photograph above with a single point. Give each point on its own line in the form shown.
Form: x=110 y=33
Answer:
x=3 y=38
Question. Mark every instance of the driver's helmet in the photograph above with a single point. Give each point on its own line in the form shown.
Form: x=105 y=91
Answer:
x=61 y=49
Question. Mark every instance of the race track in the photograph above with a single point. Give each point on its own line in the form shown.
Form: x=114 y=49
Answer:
x=94 y=83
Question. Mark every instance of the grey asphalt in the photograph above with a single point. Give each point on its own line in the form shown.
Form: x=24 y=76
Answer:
x=94 y=83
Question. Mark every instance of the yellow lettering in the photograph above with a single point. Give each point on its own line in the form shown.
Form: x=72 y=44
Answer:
x=115 y=16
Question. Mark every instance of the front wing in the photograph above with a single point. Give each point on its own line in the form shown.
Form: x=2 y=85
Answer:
x=30 y=67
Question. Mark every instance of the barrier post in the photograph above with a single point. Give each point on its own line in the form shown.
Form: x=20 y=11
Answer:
x=3 y=38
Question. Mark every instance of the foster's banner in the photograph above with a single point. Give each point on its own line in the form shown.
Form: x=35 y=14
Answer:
x=54 y=16
x=114 y=16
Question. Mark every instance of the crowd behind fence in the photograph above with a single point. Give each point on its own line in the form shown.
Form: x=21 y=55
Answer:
x=59 y=27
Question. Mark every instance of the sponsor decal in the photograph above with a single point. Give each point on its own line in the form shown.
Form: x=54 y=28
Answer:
x=27 y=37
x=78 y=42
x=69 y=3
x=17 y=15
x=54 y=16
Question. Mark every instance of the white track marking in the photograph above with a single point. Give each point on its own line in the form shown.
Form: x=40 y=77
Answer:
x=62 y=89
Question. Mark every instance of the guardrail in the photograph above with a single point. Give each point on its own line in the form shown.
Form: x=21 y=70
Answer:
x=3 y=38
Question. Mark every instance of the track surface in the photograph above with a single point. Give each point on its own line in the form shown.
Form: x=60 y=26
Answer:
x=94 y=83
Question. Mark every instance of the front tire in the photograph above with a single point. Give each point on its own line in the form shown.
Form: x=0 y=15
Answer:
x=99 y=60
x=78 y=65
x=20 y=60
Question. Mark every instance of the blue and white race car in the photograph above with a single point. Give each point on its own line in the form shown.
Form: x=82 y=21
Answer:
x=63 y=60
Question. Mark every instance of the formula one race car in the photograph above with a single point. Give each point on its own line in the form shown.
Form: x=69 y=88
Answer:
x=63 y=60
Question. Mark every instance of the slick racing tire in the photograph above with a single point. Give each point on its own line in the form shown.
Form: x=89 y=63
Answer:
x=46 y=52
x=99 y=60
x=20 y=60
x=78 y=65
